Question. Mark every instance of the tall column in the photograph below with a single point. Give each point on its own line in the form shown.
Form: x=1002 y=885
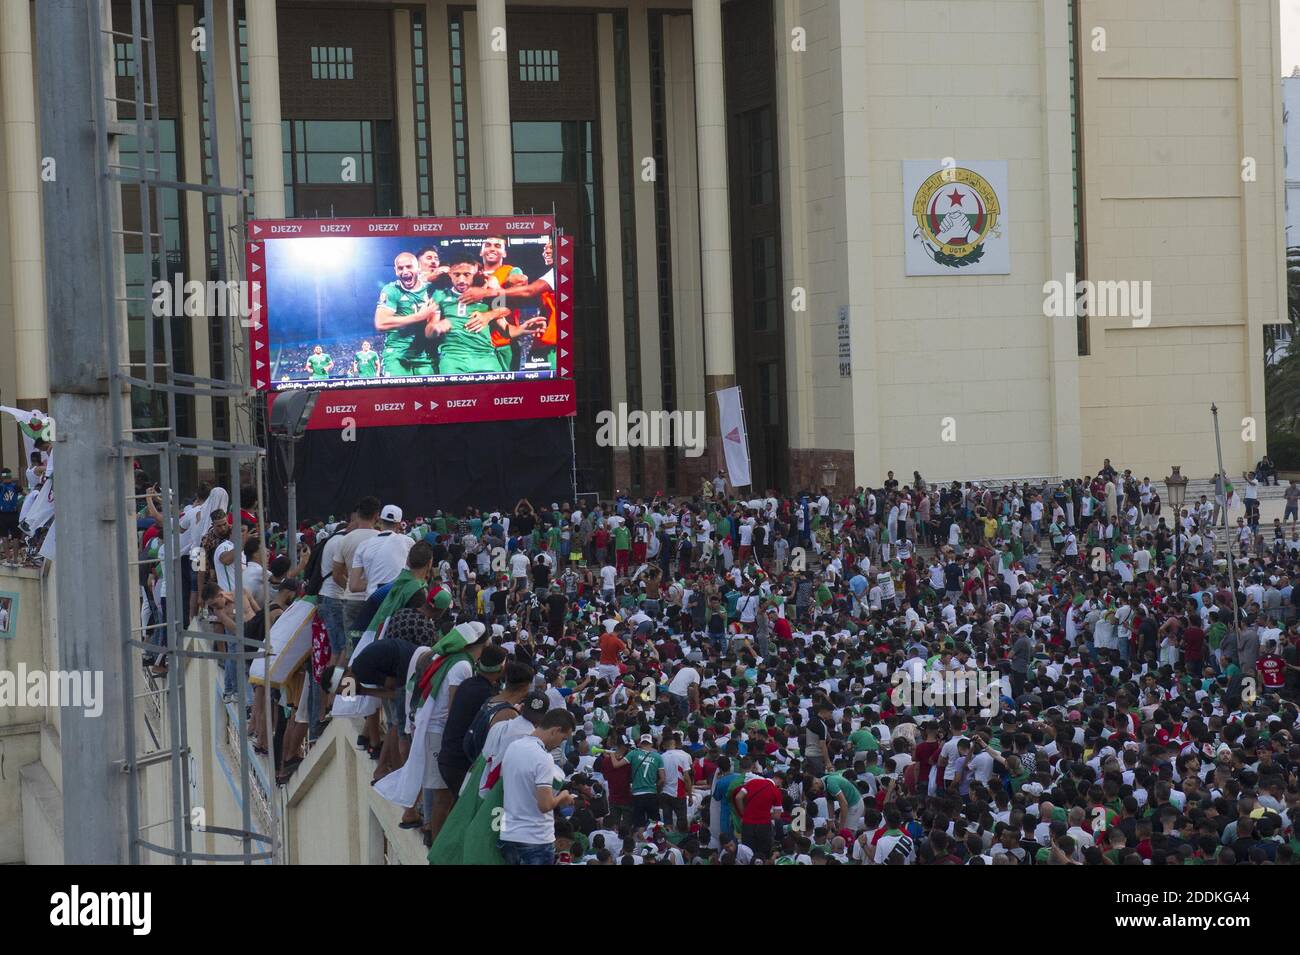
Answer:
x=494 y=114
x=473 y=110
x=408 y=158
x=98 y=815
x=683 y=216
x=442 y=144
x=22 y=180
x=196 y=221
x=715 y=218
x=800 y=380
x=264 y=110
x=1062 y=336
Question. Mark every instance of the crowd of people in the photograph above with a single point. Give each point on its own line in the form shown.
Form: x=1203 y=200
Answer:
x=1067 y=673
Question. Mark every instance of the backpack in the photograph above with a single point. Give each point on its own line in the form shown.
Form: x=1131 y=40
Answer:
x=476 y=735
x=898 y=854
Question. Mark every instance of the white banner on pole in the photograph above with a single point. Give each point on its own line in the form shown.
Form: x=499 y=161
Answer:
x=735 y=440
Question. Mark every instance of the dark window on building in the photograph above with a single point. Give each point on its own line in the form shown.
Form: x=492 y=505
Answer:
x=1076 y=167
x=762 y=156
x=124 y=58
x=246 y=116
x=627 y=182
x=540 y=153
x=765 y=274
x=423 y=181
x=331 y=62
x=353 y=157
x=460 y=132
x=663 y=234
x=757 y=285
x=769 y=393
x=539 y=66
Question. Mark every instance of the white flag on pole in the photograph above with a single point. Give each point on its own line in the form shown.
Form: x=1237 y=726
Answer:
x=735 y=440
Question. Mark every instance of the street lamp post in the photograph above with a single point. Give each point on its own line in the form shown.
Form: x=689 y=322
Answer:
x=1176 y=485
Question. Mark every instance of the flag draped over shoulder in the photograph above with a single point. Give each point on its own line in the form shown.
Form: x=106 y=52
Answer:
x=404 y=587
x=446 y=653
x=402 y=786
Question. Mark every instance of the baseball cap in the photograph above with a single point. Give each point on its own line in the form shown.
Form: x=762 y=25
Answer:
x=472 y=632
x=646 y=738
x=391 y=513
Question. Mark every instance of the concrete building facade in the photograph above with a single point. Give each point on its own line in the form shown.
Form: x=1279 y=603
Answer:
x=733 y=175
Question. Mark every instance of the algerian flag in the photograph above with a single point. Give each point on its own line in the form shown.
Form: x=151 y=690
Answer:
x=399 y=595
x=402 y=786
x=446 y=651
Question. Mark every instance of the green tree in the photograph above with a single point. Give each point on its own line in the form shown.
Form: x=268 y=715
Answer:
x=1282 y=376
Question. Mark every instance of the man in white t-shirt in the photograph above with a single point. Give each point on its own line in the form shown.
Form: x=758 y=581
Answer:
x=378 y=560
x=1124 y=614
x=519 y=567
x=228 y=559
x=684 y=690
x=529 y=800
x=678 y=782
x=340 y=606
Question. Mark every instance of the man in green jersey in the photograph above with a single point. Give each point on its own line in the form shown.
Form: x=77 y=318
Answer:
x=402 y=313
x=646 y=781
x=318 y=364
x=844 y=802
x=466 y=327
x=509 y=286
x=365 y=363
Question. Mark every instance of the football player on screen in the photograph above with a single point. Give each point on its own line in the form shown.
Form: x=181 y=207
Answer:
x=403 y=312
x=431 y=269
x=468 y=346
x=365 y=363
x=318 y=364
x=540 y=342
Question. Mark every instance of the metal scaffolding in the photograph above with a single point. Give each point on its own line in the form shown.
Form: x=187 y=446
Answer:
x=105 y=162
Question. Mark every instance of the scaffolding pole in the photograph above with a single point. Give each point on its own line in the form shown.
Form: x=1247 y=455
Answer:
x=94 y=375
x=87 y=407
